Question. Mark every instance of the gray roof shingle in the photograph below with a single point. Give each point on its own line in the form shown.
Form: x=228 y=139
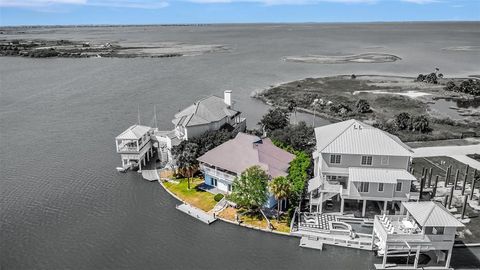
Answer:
x=247 y=150
x=206 y=110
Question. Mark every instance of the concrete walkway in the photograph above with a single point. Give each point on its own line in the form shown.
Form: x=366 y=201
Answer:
x=457 y=152
x=150 y=175
x=196 y=213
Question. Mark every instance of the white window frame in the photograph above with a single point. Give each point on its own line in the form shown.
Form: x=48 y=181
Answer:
x=399 y=184
x=214 y=182
x=385 y=160
x=366 y=161
x=364 y=187
x=381 y=189
x=229 y=188
x=337 y=159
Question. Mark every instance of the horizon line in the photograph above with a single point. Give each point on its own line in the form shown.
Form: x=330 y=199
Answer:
x=232 y=23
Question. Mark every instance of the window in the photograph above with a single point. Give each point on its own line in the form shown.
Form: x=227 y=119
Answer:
x=229 y=187
x=366 y=160
x=438 y=230
x=331 y=177
x=335 y=159
x=380 y=187
x=398 y=187
x=214 y=182
x=364 y=186
x=385 y=160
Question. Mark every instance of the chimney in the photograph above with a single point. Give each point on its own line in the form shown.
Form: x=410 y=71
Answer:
x=227 y=97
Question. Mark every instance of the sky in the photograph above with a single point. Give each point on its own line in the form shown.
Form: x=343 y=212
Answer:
x=79 y=12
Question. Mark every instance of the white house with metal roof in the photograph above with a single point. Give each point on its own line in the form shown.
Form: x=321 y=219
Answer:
x=134 y=146
x=355 y=161
x=210 y=113
x=223 y=163
x=424 y=227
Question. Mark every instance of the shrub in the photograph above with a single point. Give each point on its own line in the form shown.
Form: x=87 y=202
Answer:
x=218 y=197
x=402 y=120
x=363 y=106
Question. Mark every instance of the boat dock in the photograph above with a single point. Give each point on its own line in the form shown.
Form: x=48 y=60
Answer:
x=196 y=213
x=307 y=242
x=150 y=175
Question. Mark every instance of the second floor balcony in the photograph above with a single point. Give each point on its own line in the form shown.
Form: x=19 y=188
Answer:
x=217 y=173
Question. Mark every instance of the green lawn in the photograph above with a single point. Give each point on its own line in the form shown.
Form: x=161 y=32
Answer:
x=198 y=198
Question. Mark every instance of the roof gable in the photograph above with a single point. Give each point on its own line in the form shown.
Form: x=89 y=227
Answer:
x=134 y=132
x=204 y=111
x=245 y=151
x=431 y=214
x=355 y=137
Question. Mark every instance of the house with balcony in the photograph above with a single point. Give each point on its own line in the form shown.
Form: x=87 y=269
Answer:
x=422 y=227
x=222 y=164
x=134 y=146
x=206 y=114
x=355 y=161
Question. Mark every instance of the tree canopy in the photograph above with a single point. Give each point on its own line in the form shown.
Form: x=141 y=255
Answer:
x=363 y=106
x=205 y=143
x=298 y=174
x=249 y=190
x=300 y=137
x=276 y=118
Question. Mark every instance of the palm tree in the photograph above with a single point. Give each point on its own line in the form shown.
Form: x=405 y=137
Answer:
x=292 y=108
x=281 y=189
x=187 y=161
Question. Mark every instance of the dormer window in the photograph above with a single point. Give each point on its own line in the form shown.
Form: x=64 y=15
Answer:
x=366 y=160
x=335 y=159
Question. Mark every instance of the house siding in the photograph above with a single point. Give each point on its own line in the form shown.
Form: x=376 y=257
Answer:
x=347 y=160
x=222 y=184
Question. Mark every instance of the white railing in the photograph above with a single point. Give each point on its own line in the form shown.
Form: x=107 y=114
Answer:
x=125 y=148
x=390 y=228
x=217 y=173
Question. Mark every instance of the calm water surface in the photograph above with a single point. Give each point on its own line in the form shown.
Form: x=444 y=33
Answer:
x=63 y=205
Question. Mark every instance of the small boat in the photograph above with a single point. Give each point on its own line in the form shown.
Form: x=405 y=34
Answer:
x=122 y=169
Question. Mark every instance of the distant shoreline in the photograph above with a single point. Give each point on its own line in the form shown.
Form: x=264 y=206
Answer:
x=230 y=23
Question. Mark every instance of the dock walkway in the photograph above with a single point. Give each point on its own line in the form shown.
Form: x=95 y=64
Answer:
x=307 y=242
x=196 y=213
x=150 y=175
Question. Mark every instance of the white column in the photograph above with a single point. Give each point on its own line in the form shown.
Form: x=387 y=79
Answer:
x=140 y=164
x=342 y=205
x=364 y=207
x=415 y=264
x=311 y=197
x=320 y=204
x=385 y=203
x=449 y=257
x=116 y=144
x=384 y=262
